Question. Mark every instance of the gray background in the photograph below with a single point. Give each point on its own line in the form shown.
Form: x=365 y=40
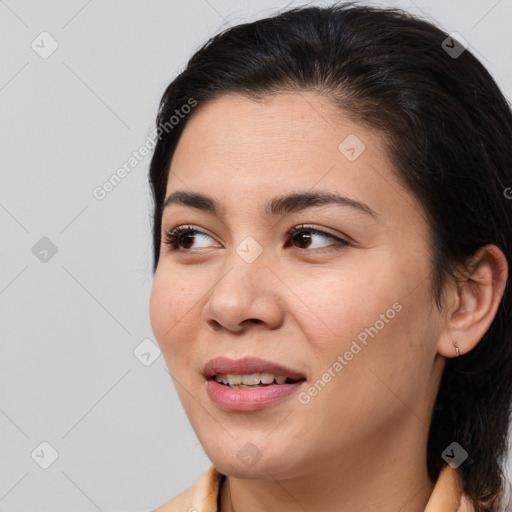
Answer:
x=70 y=321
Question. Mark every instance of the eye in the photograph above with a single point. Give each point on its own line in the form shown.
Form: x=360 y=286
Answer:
x=182 y=237
x=304 y=234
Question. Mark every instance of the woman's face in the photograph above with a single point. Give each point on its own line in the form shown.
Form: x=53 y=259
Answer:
x=348 y=306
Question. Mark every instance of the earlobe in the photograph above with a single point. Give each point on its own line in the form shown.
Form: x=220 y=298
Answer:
x=456 y=346
x=479 y=295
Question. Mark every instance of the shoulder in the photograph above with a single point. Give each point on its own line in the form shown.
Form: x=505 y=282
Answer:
x=199 y=497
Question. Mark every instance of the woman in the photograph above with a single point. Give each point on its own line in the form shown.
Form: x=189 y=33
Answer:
x=332 y=236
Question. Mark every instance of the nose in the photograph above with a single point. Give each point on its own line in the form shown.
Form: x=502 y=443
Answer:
x=244 y=296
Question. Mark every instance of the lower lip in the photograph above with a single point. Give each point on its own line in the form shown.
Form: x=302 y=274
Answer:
x=245 y=400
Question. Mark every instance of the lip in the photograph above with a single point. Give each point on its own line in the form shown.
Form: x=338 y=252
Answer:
x=247 y=365
x=246 y=400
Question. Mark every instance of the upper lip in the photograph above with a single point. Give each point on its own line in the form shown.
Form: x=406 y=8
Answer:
x=247 y=365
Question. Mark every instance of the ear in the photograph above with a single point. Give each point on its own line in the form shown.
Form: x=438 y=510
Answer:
x=473 y=301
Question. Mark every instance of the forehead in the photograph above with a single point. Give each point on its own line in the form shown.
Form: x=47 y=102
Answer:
x=298 y=123
x=236 y=149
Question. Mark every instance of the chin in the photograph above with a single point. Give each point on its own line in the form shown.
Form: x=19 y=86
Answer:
x=239 y=465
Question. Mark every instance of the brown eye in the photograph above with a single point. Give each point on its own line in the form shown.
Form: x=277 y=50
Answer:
x=304 y=237
x=182 y=237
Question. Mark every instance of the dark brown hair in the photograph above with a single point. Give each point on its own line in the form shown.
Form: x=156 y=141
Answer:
x=449 y=132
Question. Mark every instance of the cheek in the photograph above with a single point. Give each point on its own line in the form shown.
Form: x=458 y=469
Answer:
x=170 y=312
x=334 y=306
x=369 y=316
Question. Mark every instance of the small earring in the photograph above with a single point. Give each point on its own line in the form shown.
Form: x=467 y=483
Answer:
x=456 y=348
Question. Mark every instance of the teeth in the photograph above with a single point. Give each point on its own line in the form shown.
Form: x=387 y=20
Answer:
x=234 y=379
x=252 y=379
x=266 y=378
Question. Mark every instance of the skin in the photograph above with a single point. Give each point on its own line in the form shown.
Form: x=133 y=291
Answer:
x=360 y=443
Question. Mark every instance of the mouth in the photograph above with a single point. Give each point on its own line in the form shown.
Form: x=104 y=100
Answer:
x=252 y=380
x=249 y=371
x=249 y=384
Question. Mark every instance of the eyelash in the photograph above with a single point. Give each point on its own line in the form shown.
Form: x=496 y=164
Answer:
x=172 y=236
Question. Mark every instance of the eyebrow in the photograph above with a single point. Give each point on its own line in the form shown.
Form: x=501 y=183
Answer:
x=280 y=205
